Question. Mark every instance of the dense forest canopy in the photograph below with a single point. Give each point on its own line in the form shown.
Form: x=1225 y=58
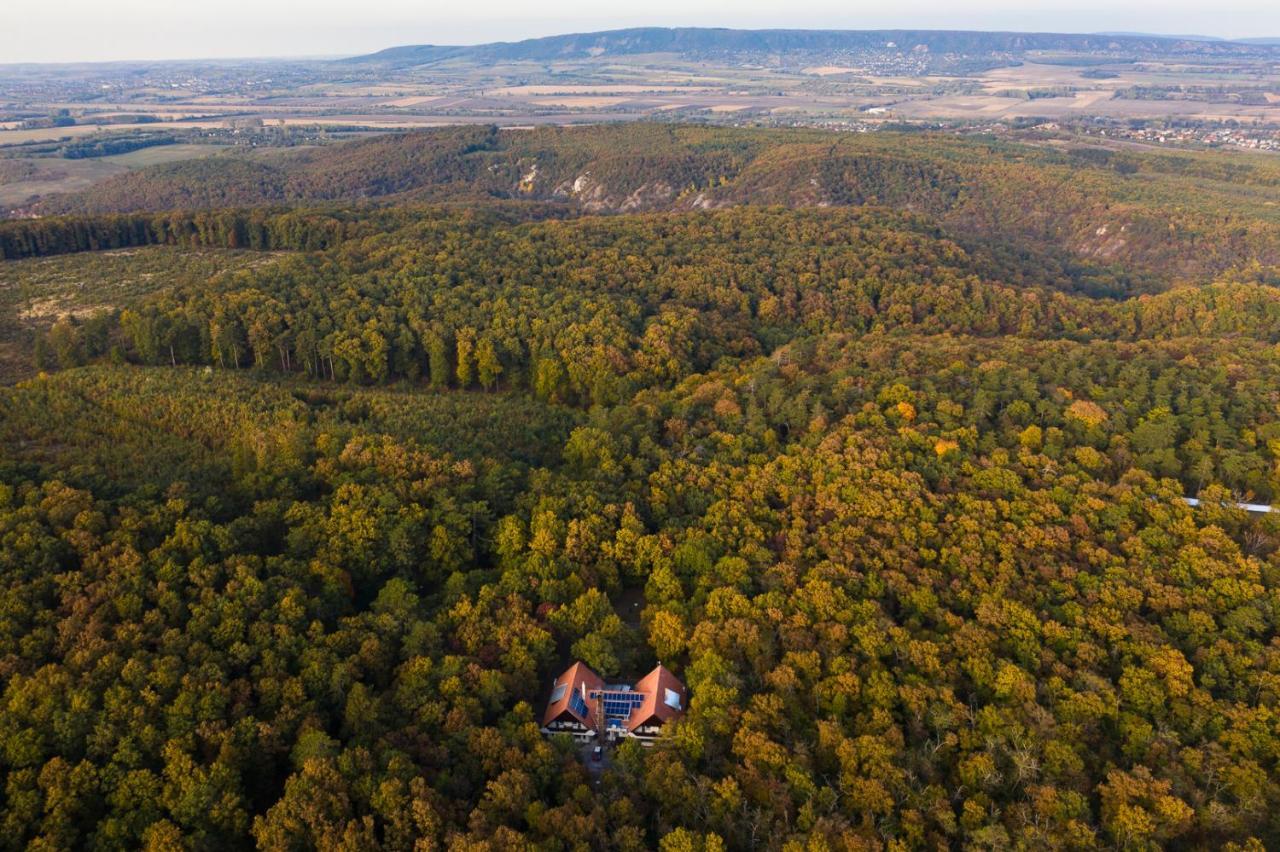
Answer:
x=307 y=492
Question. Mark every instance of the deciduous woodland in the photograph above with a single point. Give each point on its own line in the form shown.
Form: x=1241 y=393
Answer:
x=317 y=476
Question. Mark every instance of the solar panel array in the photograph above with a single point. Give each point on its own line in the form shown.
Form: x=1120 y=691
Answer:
x=618 y=705
x=577 y=705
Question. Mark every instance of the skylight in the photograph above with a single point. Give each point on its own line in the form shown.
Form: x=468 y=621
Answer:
x=558 y=692
x=673 y=699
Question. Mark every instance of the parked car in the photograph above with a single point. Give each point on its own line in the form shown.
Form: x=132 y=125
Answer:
x=597 y=753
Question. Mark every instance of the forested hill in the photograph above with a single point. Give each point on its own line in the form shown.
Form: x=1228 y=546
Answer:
x=1158 y=218
x=697 y=42
x=290 y=563
x=309 y=490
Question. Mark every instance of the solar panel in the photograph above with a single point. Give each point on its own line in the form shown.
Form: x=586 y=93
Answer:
x=577 y=705
x=619 y=704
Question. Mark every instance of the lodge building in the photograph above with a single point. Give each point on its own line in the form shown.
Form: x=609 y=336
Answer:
x=585 y=707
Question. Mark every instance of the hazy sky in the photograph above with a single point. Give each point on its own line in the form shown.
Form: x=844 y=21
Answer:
x=83 y=30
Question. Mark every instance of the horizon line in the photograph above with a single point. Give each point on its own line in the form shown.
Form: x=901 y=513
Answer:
x=329 y=57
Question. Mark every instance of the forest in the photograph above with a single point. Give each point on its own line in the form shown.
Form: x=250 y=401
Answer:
x=1142 y=219
x=306 y=495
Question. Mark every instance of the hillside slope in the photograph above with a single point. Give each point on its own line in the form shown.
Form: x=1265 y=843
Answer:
x=1152 y=219
x=700 y=42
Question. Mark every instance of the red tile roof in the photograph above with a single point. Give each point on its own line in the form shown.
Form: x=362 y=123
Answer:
x=664 y=697
x=657 y=686
x=574 y=678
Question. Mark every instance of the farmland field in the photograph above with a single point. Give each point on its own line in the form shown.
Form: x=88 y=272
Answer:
x=53 y=175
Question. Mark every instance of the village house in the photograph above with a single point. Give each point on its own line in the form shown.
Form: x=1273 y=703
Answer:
x=585 y=707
